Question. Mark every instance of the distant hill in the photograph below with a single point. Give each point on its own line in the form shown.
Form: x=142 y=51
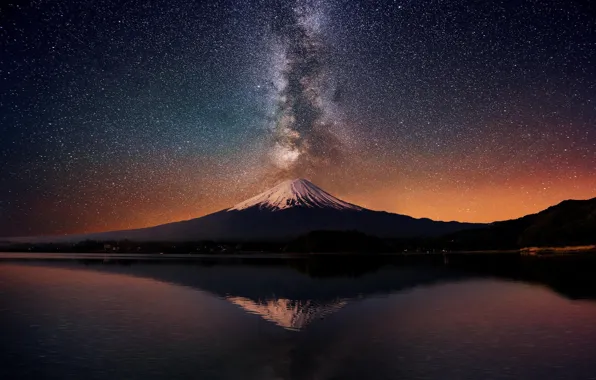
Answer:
x=570 y=223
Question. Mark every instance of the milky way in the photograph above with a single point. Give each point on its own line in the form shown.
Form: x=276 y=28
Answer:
x=304 y=142
x=122 y=114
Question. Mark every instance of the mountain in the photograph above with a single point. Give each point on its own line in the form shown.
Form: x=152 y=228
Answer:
x=288 y=210
x=570 y=223
x=338 y=242
x=290 y=314
x=296 y=193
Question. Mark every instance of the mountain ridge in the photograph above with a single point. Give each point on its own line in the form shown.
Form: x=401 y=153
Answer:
x=284 y=212
x=571 y=222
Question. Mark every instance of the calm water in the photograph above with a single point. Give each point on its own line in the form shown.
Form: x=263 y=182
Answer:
x=292 y=320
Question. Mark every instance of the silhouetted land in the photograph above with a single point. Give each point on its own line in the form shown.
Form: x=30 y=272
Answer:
x=568 y=224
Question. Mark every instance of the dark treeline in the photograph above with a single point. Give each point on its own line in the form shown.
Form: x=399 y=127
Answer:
x=499 y=236
x=313 y=242
x=128 y=246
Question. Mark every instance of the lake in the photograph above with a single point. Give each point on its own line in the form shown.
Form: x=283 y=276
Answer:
x=297 y=318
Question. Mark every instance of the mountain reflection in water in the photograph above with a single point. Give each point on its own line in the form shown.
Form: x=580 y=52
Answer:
x=291 y=293
x=289 y=314
x=294 y=292
x=341 y=317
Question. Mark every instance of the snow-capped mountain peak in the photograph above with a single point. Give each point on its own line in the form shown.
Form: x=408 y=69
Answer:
x=295 y=193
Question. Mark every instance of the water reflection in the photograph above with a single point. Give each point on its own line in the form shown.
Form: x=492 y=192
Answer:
x=289 y=314
x=293 y=293
x=296 y=319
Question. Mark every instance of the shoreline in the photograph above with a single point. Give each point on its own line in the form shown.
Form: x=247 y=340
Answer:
x=108 y=256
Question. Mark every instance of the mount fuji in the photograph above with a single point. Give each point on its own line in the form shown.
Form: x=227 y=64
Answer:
x=286 y=211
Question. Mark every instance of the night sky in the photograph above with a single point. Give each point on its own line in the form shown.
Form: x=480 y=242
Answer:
x=122 y=114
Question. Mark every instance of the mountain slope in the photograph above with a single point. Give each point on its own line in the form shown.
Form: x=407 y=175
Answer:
x=572 y=222
x=258 y=224
x=291 y=209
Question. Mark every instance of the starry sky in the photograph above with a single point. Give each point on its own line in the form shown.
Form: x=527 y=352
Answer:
x=129 y=113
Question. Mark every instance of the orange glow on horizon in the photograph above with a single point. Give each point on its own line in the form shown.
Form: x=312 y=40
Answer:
x=481 y=205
